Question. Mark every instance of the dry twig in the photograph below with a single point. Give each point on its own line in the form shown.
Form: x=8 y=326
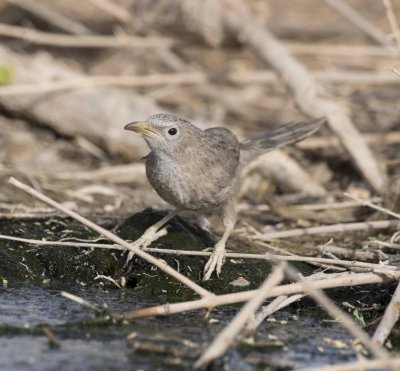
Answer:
x=389 y=319
x=82 y=41
x=360 y=22
x=305 y=90
x=114 y=9
x=52 y=17
x=373 y=206
x=339 y=280
x=267 y=256
x=228 y=335
x=93 y=81
x=328 y=229
x=111 y=236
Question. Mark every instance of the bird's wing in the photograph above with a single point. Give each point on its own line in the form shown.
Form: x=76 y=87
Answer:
x=226 y=146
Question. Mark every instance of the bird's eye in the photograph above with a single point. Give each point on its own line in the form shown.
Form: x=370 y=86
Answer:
x=172 y=131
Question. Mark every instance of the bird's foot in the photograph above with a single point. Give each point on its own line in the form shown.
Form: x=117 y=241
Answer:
x=148 y=237
x=215 y=262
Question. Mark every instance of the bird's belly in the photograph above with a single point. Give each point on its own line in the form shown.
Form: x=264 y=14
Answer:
x=196 y=192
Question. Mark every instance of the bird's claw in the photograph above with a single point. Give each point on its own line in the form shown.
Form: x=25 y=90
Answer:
x=145 y=240
x=214 y=263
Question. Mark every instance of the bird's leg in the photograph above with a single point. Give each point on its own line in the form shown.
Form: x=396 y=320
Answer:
x=151 y=234
x=217 y=258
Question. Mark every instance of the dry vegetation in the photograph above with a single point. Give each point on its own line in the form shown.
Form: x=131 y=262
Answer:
x=72 y=76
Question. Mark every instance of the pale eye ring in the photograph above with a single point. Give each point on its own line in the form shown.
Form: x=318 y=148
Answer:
x=172 y=131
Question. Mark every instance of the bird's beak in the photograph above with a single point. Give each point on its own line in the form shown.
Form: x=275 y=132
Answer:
x=142 y=127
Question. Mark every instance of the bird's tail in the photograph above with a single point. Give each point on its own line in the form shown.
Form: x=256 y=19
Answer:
x=276 y=138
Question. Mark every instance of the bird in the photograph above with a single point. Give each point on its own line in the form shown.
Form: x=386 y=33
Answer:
x=199 y=170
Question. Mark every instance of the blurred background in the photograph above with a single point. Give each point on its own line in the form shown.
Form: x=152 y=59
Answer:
x=72 y=74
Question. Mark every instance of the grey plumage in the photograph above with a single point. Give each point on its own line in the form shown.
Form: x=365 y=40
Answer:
x=194 y=169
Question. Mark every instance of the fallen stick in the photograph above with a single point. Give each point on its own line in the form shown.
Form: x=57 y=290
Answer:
x=360 y=22
x=314 y=142
x=52 y=17
x=389 y=319
x=336 y=313
x=340 y=50
x=340 y=280
x=239 y=22
x=336 y=77
x=228 y=335
x=94 y=81
x=391 y=16
x=82 y=41
x=114 y=9
x=111 y=236
x=275 y=305
x=326 y=229
x=373 y=206
x=363 y=364
x=266 y=256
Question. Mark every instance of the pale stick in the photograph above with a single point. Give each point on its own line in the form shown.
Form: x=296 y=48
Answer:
x=111 y=236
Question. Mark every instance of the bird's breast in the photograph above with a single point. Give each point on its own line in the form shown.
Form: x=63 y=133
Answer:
x=188 y=184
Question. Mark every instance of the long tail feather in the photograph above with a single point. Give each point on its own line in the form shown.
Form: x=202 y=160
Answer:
x=276 y=138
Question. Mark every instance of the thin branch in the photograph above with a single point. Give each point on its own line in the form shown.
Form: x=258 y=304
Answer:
x=339 y=280
x=392 y=21
x=362 y=364
x=336 y=77
x=52 y=17
x=360 y=22
x=397 y=72
x=373 y=206
x=93 y=81
x=115 y=10
x=335 y=312
x=392 y=137
x=328 y=229
x=228 y=335
x=389 y=319
x=111 y=236
x=83 y=41
x=80 y=301
x=239 y=22
x=275 y=305
x=267 y=256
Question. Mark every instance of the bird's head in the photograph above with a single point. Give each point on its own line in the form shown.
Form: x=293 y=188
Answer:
x=165 y=132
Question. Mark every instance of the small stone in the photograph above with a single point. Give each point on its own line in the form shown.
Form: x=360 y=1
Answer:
x=239 y=282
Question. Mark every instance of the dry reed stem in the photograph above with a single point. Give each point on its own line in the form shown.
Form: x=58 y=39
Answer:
x=389 y=319
x=361 y=365
x=314 y=142
x=111 y=236
x=335 y=312
x=328 y=229
x=82 y=41
x=306 y=92
x=397 y=72
x=93 y=81
x=329 y=77
x=266 y=256
x=392 y=20
x=52 y=17
x=275 y=305
x=373 y=206
x=80 y=301
x=360 y=22
x=114 y=9
x=338 y=280
x=322 y=49
x=228 y=335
